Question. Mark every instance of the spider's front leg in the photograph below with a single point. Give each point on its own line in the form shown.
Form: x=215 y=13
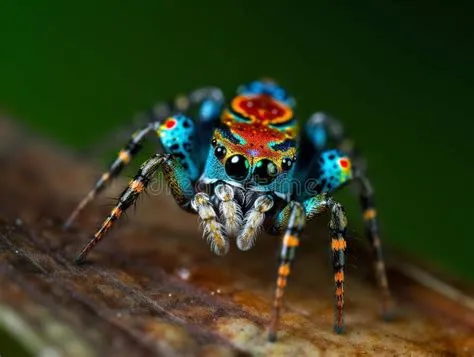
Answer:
x=124 y=157
x=177 y=134
x=293 y=216
x=320 y=129
x=178 y=181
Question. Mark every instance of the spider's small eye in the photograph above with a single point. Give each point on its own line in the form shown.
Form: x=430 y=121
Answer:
x=220 y=152
x=265 y=171
x=214 y=142
x=237 y=167
x=287 y=164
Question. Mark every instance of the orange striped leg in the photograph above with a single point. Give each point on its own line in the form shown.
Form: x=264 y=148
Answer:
x=291 y=241
x=127 y=198
x=372 y=231
x=337 y=226
x=123 y=159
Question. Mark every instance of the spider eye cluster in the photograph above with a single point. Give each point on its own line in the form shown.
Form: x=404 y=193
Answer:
x=238 y=167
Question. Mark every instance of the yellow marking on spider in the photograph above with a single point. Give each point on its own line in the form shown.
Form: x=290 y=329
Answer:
x=124 y=155
x=284 y=269
x=338 y=244
x=370 y=214
x=281 y=283
x=137 y=186
x=116 y=212
x=339 y=276
x=291 y=241
x=106 y=226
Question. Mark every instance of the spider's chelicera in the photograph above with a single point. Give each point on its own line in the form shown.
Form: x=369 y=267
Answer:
x=237 y=164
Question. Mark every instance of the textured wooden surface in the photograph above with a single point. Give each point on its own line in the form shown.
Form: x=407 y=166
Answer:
x=152 y=287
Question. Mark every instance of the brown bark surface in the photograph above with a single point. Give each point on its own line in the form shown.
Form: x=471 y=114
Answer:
x=153 y=287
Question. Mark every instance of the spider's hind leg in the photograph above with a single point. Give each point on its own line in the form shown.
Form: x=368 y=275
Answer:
x=366 y=198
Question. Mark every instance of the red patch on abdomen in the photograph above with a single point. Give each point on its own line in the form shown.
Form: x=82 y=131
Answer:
x=262 y=108
x=170 y=123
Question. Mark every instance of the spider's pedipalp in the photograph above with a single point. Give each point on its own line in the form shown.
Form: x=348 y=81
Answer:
x=212 y=229
x=229 y=209
x=253 y=222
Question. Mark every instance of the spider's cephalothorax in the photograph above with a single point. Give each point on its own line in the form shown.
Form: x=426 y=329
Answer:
x=243 y=166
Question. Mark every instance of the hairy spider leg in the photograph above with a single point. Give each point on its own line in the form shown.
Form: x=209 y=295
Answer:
x=209 y=100
x=373 y=233
x=332 y=170
x=337 y=227
x=321 y=127
x=176 y=176
x=313 y=207
x=291 y=240
x=124 y=157
x=176 y=135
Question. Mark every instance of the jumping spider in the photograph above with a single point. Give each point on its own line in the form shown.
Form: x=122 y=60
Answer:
x=243 y=165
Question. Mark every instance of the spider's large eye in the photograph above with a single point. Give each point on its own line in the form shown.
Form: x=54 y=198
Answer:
x=237 y=167
x=264 y=172
x=286 y=164
x=220 y=152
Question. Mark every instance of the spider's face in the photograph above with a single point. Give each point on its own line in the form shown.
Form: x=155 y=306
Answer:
x=251 y=163
x=255 y=143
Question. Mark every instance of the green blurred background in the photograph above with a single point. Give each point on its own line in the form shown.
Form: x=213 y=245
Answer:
x=398 y=74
